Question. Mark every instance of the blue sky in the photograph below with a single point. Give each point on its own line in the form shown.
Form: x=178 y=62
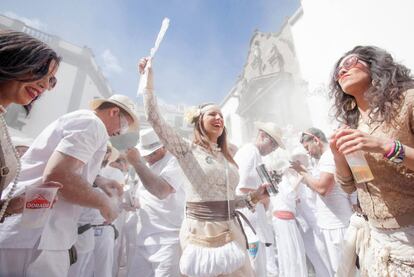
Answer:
x=202 y=53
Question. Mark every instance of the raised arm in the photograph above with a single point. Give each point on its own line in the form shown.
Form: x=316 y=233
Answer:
x=168 y=136
x=154 y=183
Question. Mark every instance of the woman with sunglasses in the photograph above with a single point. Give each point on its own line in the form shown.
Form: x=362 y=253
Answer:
x=374 y=101
x=27 y=69
x=211 y=237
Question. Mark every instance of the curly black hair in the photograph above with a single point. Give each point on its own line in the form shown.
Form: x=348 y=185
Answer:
x=389 y=82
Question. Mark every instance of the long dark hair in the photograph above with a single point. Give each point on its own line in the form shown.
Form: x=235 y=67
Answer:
x=24 y=58
x=201 y=138
x=389 y=82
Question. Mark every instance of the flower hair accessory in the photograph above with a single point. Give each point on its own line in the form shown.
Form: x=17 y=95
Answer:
x=191 y=114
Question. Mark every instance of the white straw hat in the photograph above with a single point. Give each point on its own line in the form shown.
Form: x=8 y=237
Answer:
x=272 y=130
x=148 y=142
x=124 y=103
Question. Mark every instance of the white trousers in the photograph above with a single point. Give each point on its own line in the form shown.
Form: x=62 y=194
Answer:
x=316 y=252
x=271 y=257
x=130 y=236
x=290 y=248
x=33 y=263
x=119 y=251
x=84 y=266
x=104 y=251
x=155 y=261
x=334 y=239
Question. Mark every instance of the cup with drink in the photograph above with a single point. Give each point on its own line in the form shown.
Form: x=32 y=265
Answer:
x=37 y=204
x=359 y=167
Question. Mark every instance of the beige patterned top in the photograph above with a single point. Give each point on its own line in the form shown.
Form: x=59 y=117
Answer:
x=205 y=171
x=388 y=200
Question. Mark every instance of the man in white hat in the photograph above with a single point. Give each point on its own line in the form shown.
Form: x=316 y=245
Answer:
x=248 y=157
x=333 y=205
x=157 y=251
x=70 y=151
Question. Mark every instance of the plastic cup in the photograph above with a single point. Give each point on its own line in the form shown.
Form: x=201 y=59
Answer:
x=359 y=167
x=37 y=204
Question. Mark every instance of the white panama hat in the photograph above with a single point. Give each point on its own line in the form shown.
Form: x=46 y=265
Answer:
x=148 y=142
x=124 y=103
x=272 y=130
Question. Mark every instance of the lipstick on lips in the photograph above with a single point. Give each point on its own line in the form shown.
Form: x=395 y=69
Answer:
x=33 y=93
x=343 y=76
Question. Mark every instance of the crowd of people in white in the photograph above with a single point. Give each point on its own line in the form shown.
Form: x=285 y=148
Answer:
x=174 y=206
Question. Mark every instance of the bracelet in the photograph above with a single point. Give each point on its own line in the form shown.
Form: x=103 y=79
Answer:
x=249 y=203
x=254 y=198
x=345 y=181
x=391 y=151
x=397 y=153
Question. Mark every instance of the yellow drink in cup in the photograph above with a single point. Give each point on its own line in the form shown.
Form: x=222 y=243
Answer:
x=359 y=167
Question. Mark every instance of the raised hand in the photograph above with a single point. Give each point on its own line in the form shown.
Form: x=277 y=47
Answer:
x=348 y=140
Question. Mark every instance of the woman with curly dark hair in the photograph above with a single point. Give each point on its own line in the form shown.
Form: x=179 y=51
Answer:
x=374 y=100
x=27 y=69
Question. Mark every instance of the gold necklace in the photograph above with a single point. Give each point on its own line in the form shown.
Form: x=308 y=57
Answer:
x=10 y=144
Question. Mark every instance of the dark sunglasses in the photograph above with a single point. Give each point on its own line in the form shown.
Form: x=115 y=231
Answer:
x=52 y=82
x=350 y=62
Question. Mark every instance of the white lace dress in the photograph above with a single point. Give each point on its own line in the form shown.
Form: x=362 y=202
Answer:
x=206 y=173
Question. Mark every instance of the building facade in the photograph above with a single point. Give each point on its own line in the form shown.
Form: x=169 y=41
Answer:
x=270 y=87
x=286 y=76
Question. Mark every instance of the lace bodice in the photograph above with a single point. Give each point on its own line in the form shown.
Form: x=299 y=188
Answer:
x=205 y=171
x=391 y=194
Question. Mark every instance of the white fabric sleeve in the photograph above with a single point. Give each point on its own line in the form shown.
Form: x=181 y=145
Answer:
x=173 y=174
x=81 y=139
x=249 y=178
x=326 y=163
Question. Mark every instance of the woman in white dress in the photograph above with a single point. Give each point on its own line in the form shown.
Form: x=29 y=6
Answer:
x=212 y=240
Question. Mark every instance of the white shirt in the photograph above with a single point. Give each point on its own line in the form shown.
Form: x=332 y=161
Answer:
x=160 y=220
x=334 y=209
x=248 y=158
x=285 y=200
x=81 y=135
x=306 y=206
